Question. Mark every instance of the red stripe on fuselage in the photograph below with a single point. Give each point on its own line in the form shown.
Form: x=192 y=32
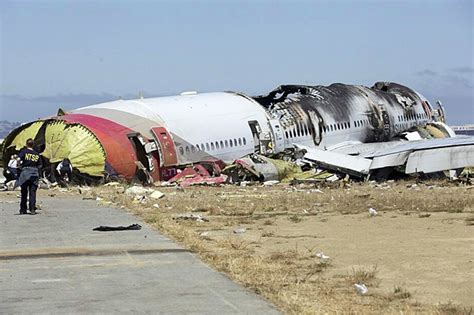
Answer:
x=120 y=153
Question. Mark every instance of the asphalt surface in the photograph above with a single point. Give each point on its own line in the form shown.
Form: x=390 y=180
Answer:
x=55 y=263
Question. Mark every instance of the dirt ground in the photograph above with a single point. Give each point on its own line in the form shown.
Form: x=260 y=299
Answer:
x=415 y=255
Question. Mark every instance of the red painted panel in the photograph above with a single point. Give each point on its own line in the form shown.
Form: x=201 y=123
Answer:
x=113 y=137
x=166 y=144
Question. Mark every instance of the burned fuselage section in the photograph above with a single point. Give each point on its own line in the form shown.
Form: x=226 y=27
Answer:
x=328 y=115
x=153 y=139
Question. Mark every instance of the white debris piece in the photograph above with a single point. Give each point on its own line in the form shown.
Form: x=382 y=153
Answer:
x=98 y=199
x=112 y=184
x=361 y=288
x=332 y=178
x=240 y=230
x=157 y=195
x=372 y=212
x=137 y=190
x=156 y=205
x=321 y=256
x=270 y=182
x=204 y=234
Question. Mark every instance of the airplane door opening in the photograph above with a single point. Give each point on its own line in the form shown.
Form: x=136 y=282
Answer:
x=256 y=130
x=143 y=162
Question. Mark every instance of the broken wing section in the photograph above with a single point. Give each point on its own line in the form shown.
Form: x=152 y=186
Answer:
x=424 y=156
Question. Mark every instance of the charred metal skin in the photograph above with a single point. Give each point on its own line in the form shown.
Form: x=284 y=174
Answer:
x=327 y=115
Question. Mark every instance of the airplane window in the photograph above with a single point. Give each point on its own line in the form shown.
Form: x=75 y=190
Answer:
x=181 y=150
x=217 y=145
x=240 y=141
x=226 y=144
x=235 y=142
x=193 y=149
x=187 y=150
x=202 y=147
x=230 y=143
x=286 y=134
x=330 y=127
x=212 y=145
x=222 y=144
x=245 y=141
x=197 y=147
x=298 y=130
x=207 y=147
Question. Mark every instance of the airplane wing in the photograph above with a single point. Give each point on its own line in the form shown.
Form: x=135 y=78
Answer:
x=421 y=156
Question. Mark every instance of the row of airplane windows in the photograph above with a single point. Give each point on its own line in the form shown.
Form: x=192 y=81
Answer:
x=210 y=146
x=304 y=130
x=412 y=116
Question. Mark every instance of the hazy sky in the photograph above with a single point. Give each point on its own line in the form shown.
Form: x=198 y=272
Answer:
x=72 y=53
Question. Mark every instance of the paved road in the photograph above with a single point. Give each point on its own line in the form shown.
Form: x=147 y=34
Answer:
x=54 y=263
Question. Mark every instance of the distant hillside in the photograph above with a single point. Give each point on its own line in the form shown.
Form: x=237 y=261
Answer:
x=6 y=127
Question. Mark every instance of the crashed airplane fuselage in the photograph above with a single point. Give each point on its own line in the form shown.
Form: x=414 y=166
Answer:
x=152 y=137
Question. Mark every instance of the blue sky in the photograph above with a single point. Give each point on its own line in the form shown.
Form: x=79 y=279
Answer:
x=72 y=53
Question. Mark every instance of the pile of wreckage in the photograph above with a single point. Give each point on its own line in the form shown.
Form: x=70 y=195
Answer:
x=306 y=167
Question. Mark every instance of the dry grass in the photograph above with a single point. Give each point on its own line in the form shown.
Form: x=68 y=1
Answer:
x=453 y=309
x=365 y=275
x=400 y=293
x=290 y=276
